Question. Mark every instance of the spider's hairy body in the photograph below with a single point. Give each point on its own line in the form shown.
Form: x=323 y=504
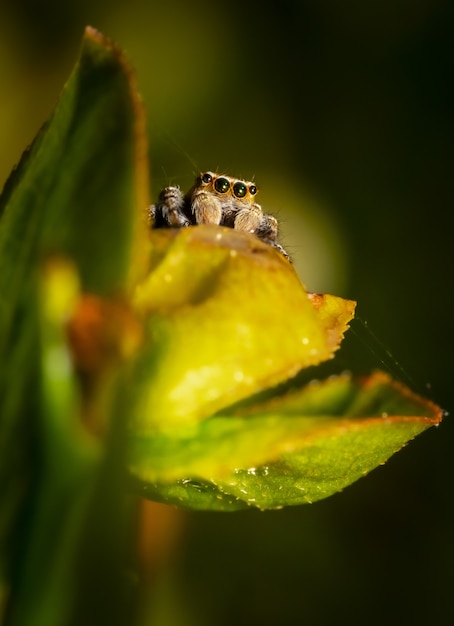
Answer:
x=216 y=199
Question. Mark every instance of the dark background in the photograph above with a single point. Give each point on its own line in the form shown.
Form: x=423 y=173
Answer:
x=342 y=112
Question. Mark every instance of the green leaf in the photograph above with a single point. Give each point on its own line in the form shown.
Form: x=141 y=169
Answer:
x=78 y=187
x=71 y=223
x=226 y=319
x=300 y=448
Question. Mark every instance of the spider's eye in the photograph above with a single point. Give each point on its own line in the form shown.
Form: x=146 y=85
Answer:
x=252 y=190
x=240 y=190
x=207 y=178
x=222 y=185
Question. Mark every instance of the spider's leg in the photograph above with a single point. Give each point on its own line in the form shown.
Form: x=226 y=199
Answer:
x=277 y=246
x=267 y=231
x=169 y=212
x=268 y=228
x=153 y=215
x=206 y=208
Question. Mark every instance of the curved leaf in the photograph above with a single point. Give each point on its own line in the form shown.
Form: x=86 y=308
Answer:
x=305 y=447
x=227 y=316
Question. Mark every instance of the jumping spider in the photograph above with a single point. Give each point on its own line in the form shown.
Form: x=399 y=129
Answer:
x=216 y=199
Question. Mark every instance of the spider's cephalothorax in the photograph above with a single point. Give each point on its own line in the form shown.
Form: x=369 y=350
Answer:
x=216 y=199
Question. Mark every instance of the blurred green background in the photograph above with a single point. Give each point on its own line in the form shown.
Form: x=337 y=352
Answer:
x=342 y=113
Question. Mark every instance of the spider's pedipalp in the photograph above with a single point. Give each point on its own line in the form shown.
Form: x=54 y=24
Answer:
x=248 y=218
x=206 y=208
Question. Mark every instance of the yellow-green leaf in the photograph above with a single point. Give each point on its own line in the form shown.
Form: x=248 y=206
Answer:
x=226 y=316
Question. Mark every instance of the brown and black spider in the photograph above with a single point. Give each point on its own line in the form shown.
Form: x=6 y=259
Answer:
x=216 y=199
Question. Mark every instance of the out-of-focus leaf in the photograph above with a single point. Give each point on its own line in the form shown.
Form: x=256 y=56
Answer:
x=297 y=449
x=227 y=316
x=82 y=187
x=71 y=223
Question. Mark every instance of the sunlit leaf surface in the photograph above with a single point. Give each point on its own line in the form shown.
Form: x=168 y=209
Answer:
x=226 y=316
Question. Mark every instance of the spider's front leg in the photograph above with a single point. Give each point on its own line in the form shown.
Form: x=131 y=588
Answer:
x=206 y=208
x=170 y=210
x=268 y=228
x=267 y=231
